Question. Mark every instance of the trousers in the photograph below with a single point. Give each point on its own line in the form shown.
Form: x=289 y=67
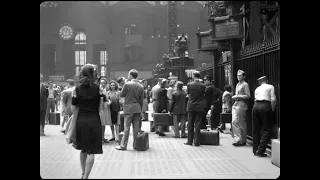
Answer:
x=129 y=119
x=179 y=118
x=261 y=120
x=194 y=125
x=239 y=124
x=50 y=107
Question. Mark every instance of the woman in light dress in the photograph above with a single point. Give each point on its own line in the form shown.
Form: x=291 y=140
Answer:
x=105 y=114
x=114 y=96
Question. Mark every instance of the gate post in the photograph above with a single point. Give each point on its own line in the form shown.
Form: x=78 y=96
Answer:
x=235 y=47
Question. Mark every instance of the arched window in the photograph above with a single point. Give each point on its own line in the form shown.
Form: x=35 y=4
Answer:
x=80 y=38
x=80 y=53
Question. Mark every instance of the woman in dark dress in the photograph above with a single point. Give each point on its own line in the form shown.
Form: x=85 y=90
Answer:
x=86 y=97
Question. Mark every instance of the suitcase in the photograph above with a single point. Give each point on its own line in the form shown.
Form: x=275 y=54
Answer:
x=209 y=137
x=153 y=128
x=121 y=121
x=162 y=119
x=275 y=152
x=120 y=137
x=142 y=142
x=54 y=118
x=225 y=118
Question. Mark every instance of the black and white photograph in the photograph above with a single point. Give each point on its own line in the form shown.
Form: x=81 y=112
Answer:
x=159 y=90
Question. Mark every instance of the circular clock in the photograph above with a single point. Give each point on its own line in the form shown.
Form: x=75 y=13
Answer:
x=66 y=32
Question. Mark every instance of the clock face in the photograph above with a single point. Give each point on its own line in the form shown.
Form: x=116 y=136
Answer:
x=66 y=32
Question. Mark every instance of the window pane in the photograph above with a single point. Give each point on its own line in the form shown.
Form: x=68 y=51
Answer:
x=106 y=59
x=81 y=57
x=85 y=57
x=77 y=57
x=100 y=57
x=77 y=37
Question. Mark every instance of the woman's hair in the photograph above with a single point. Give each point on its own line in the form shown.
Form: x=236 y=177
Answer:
x=102 y=79
x=227 y=88
x=87 y=75
x=172 y=83
x=115 y=85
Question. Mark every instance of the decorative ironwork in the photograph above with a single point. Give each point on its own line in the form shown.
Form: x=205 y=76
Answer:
x=269 y=44
x=216 y=9
x=172 y=26
x=49 y=4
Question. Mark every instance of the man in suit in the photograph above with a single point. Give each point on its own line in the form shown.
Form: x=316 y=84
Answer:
x=195 y=108
x=66 y=103
x=216 y=107
x=43 y=105
x=133 y=93
x=207 y=99
x=154 y=92
x=161 y=103
x=178 y=109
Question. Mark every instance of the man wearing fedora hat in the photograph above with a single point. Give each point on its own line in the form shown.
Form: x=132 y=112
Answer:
x=265 y=101
x=239 y=110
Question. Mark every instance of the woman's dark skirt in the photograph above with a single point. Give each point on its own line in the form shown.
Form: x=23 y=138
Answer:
x=89 y=133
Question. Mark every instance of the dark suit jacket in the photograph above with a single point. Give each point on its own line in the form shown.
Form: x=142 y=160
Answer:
x=178 y=102
x=132 y=91
x=161 y=100
x=44 y=93
x=195 y=91
x=217 y=100
x=208 y=96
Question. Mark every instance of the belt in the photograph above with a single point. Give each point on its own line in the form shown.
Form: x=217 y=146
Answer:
x=262 y=101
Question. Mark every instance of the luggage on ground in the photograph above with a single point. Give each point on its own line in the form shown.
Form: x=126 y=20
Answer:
x=54 y=118
x=209 y=137
x=142 y=142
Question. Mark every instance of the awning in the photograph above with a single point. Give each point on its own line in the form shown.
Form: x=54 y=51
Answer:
x=222 y=46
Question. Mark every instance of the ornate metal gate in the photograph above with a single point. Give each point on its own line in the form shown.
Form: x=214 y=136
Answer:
x=258 y=60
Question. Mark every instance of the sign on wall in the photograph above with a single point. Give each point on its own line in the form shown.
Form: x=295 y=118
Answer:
x=228 y=29
x=58 y=78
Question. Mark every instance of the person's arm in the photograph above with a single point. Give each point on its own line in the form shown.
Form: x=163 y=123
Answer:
x=273 y=98
x=46 y=92
x=74 y=102
x=173 y=101
x=166 y=99
x=141 y=97
x=124 y=91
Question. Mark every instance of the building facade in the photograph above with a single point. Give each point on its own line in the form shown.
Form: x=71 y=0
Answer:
x=253 y=45
x=115 y=35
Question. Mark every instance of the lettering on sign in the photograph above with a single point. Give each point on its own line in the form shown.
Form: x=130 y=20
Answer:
x=206 y=40
x=228 y=29
x=56 y=78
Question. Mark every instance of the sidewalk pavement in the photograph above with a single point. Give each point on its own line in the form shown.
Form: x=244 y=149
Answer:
x=167 y=158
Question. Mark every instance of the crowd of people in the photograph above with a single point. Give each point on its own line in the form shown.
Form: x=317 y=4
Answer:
x=101 y=102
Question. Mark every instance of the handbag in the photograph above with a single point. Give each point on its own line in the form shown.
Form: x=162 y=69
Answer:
x=71 y=127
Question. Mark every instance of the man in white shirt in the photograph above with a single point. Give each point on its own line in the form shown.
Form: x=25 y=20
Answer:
x=265 y=101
